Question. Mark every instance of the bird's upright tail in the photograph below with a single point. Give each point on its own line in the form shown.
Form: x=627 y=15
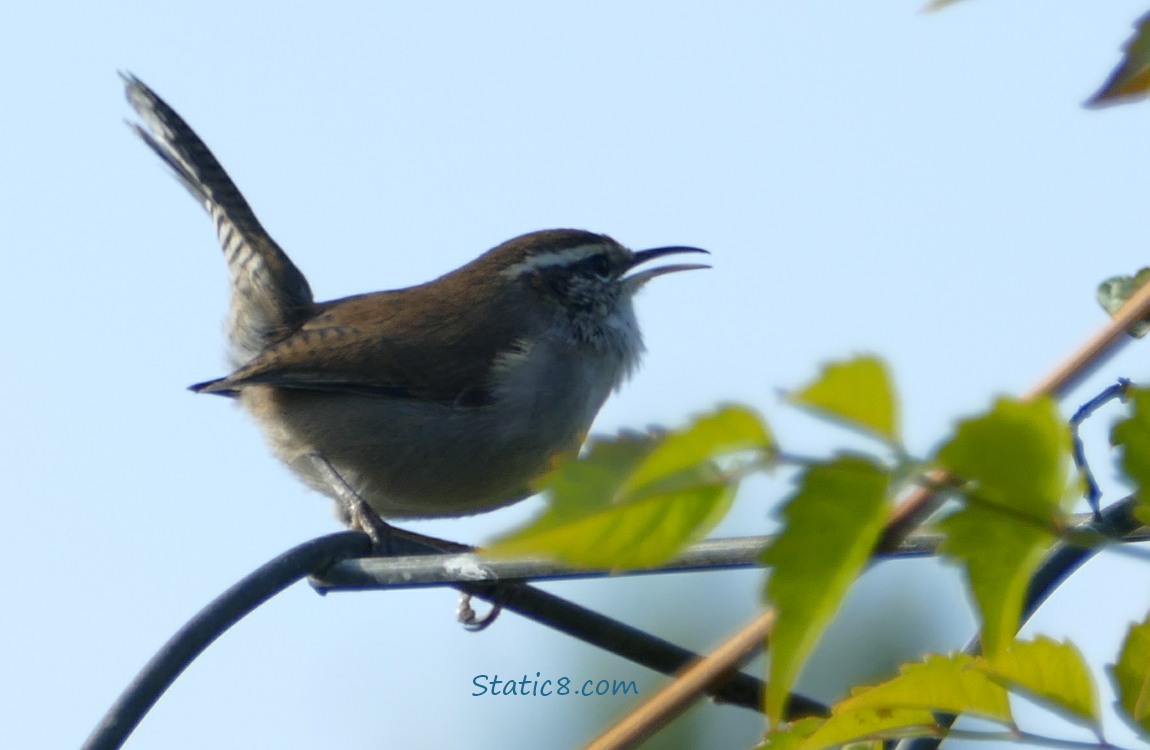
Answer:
x=270 y=297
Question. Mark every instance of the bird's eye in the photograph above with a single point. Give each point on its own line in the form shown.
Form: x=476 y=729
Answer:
x=599 y=265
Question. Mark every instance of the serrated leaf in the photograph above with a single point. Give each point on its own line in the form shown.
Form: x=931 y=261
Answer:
x=636 y=501
x=858 y=391
x=940 y=683
x=1016 y=455
x=727 y=430
x=1052 y=672
x=999 y=557
x=1130 y=81
x=867 y=723
x=832 y=522
x=1132 y=435
x=594 y=478
x=1013 y=464
x=1114 y=292
x=637 y=535
x=1131 y=676
x=791 y=736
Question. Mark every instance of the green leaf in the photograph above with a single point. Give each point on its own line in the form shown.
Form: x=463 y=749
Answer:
x=1131 y=79
x=1016 y=456
x=727 y=430
x=940 y=683
x=636 y=501
x=1131 y=677
x=999 y=557
x=858 y=391
x=832 y=522
x=1052 y=672
x=1133 y=436
x=1113 y=293
x=594 y=478
x=638 y=535
x=867 y=723
x=791 y=736
x=1013 y=463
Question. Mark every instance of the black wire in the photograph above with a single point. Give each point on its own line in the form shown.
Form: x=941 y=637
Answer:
x=739 y=689
x=579 y=622
x=319 y=554
x=211 y=622
x=591 y=627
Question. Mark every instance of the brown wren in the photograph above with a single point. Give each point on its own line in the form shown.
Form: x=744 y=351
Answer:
x=441 y=399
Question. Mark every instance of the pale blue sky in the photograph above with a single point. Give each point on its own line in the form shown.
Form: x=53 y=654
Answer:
x=867 y=177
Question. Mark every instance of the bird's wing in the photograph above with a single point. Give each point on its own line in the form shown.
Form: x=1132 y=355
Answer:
x=402 y=347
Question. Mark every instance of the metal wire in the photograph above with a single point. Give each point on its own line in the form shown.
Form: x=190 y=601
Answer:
x=411 y=571
x=318 y=555
x=337 y=563
x=210 y=623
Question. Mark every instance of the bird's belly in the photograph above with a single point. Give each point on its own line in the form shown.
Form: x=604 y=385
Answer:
x=411 y=459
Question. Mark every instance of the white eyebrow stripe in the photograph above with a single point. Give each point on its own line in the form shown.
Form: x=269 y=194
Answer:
x=556 y=258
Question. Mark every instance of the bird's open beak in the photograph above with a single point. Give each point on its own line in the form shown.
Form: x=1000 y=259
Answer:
x=637 y=280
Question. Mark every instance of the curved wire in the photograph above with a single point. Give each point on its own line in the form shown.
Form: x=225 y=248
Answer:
x=315 y=556
x=210 y=623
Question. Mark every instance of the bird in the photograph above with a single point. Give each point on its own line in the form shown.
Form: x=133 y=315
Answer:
x=443 y=399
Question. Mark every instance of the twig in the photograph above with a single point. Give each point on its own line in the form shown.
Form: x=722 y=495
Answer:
x=1093 y=493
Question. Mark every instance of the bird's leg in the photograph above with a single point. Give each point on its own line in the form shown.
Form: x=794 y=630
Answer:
x=358 y=513
x=360 y=516
x=466 y=616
